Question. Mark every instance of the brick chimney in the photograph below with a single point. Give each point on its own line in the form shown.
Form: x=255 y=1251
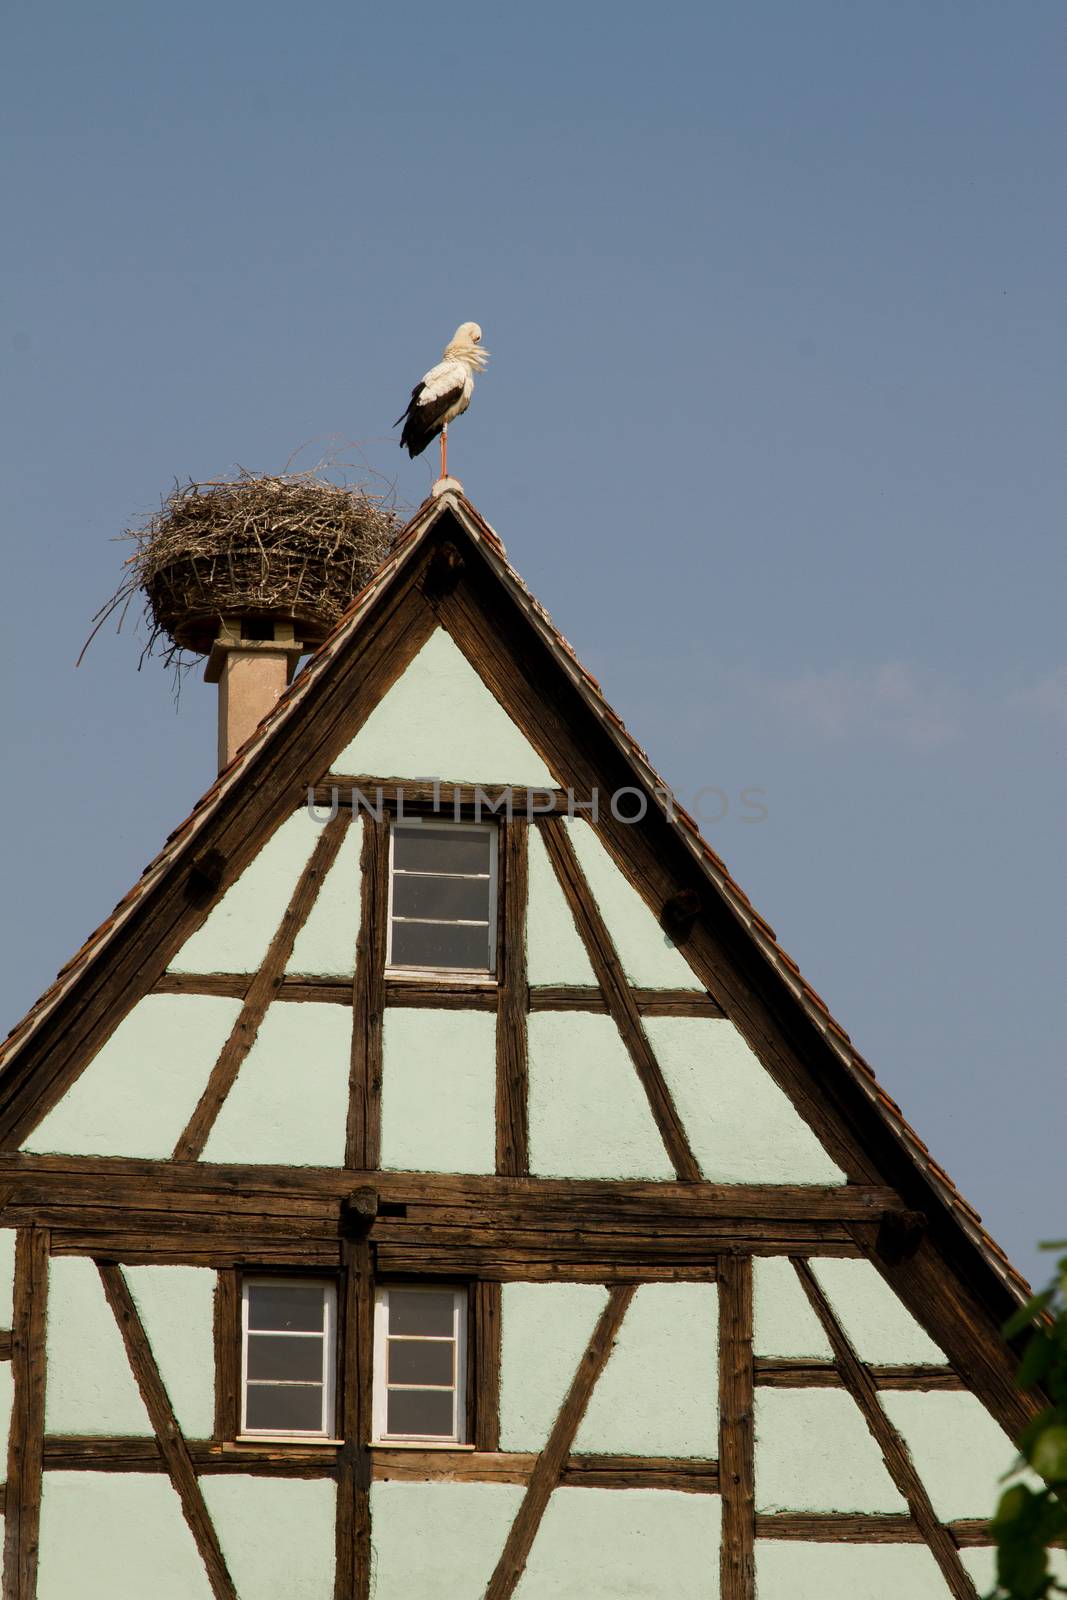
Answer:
x=252 y=661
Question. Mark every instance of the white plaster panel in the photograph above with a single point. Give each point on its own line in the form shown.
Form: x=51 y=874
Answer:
x=959 y=1452
x=787 y=1569
x=658 y=1394
x=624 y=1544
x=176 y=1306
x=439 y=1091
x=136 y=1095
x=326 y=945
x=876 y=1320
x=116 y=1536
x=980 y=1563
x=741 y=1126
x=814 y=1452
x=239 y=928
x=440 y=721
x=545 y=1329
x=289 y=1104
x=784 y=1323
x=589 y=1115
x=437 y=1541
x=554 y=949
x=277 y=1534
x=90 y=1387
x=647 y=955
x=8 y=1237
x=7 y=1400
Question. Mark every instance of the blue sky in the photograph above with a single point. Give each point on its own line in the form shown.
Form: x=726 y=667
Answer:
x=773 y=425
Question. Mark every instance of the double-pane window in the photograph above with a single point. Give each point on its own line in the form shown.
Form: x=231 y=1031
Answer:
x=420 y=1364
x=288 y=1358
x=442 y=896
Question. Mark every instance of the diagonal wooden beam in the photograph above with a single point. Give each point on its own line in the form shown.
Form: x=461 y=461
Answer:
x=861 y=1385
x=169 y=1437
x=553 y=1458
x=363 y=1136
x=261 y=991
x=621 y=1001
x=512 y=1078
x=25 y=1455
x=737 y=1551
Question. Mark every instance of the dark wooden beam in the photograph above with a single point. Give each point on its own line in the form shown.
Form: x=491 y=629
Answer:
x=169 y=1437
x=261 y=991
x=512 y=1078
x=622 y=1006
x=737 y=1551
x=777 y=1373
x=484 y=1372
x=22 y=1506
x=354 y=1471
x=837 y=1527
x=227 y=1332
x=894 y=1451
x=363 y=1135
x=550 y=1463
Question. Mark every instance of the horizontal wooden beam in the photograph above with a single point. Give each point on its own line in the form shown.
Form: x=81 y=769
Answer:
x=778 y=1373
x=835 y=1527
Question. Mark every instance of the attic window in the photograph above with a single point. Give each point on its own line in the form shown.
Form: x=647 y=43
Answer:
x=420 y=1364
x=442 y=897
x=288 y=1357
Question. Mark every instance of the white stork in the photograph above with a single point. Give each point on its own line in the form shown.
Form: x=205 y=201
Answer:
x=443 y=393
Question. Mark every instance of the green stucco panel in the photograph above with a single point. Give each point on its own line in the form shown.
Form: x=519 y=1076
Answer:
x=289 y=1104
x=440 y=721
x=277 y=1534
x=959 y=1452
x=545 y=1329
x=7 y=1274
x=783 y=1322
x=238 y=930
x=647 y=955
x=554 y=949
x=90 y=1387
x=658 y=1393
x=876 y=1320
x=116 y=1536
x=136 y=1095
x=439 y=1091
x=7 y=1400
x=437 y=1541
x=625 y=1544
x=176 y=1306
x=814 y=1452
x=326 y=945
x=789 y=1570
x=742 y=1127
x=589 y=1115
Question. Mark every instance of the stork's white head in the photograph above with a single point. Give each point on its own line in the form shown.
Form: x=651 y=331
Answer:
x=465 y=346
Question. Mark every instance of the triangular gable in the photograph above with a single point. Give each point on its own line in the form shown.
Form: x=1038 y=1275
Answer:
x=530 y=676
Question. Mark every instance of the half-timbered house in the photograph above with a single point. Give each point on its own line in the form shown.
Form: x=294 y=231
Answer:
x=434 y=1182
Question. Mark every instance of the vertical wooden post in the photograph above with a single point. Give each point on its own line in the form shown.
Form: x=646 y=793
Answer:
x=485 y=1367
x=512 y=1094
x=363 y=1138
x=25 y=1456
x=737 y=1562
x=352 y=1580
x=227 y=1353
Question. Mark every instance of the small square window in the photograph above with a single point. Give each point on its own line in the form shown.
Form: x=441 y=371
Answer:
x=442 y=896
x=288 y=1356
x=420 y=1364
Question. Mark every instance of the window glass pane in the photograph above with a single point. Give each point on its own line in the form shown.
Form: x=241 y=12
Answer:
x=440 y=944
x=421 y=1311
x=285 y=1307
x=443 y=898
x=420 y=1411
x=295 y=1359
x=426 y=849
x=420 y=1361
x=285 y=1409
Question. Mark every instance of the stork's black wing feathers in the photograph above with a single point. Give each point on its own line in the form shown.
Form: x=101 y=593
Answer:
x=423 y=420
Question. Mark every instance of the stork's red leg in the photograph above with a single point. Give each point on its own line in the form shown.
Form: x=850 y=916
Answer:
x=444 y=451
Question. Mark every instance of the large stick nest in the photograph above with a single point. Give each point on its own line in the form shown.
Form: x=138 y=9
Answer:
x=288 y=547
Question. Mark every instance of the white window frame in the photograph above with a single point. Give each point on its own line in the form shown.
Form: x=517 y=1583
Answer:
x=484 y=974
x=379 y=1407
x=329 y=1355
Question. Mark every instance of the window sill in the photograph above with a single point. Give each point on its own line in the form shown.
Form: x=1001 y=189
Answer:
x=460 y=977
x=253 y=1441
x=418 y=1444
